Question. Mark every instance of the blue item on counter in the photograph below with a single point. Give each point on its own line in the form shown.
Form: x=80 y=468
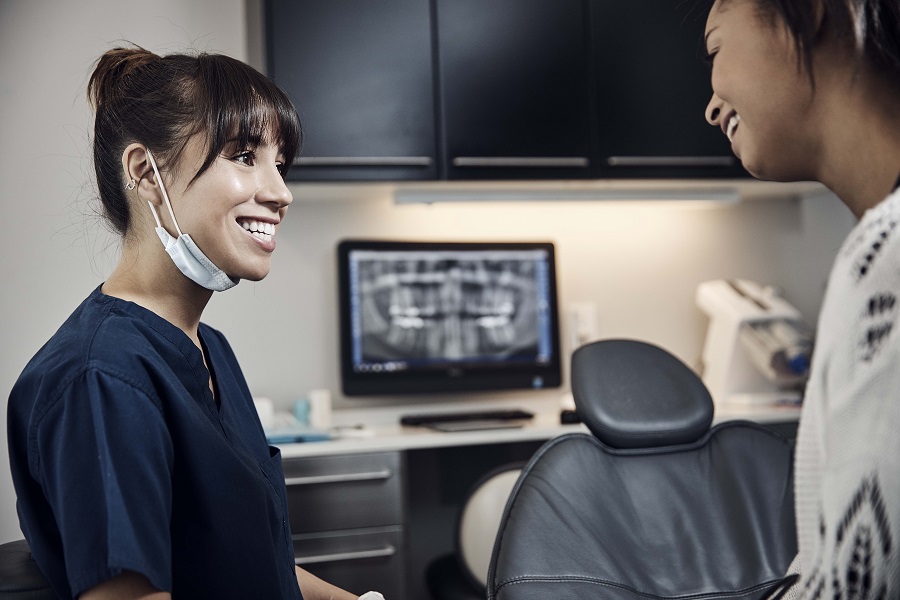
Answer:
x=295 y=433
x=301 y=411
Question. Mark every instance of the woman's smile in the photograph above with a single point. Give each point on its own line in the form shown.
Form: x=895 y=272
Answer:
x=261 y=231
x=731 y=127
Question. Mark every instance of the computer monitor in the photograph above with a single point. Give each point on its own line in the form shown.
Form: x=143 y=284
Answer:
x=421 y=317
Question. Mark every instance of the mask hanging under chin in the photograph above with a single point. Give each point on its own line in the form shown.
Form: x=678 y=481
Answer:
x=186 y=255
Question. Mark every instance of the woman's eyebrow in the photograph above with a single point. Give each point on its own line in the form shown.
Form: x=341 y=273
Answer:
x=252 y=141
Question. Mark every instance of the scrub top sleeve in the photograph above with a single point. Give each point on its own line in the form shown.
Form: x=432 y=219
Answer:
x=105 y=464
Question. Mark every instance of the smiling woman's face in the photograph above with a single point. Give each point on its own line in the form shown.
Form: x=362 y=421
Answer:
x=234 y=208
x=761 y=99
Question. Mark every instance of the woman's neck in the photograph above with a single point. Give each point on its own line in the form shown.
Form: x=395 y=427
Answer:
x=861 y=146
x=146 y=276
x=864 y=180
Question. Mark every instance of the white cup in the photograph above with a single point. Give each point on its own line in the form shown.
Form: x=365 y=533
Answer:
x=265 y=408
x=320 y=408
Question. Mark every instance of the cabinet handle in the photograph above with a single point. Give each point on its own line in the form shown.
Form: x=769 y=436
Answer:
x=339 y=556
x=339 y=478
x=520 y=161
x=670 y=161
x=363 y=161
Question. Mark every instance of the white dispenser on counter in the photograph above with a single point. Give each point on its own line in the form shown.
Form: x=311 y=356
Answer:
x=757 y=348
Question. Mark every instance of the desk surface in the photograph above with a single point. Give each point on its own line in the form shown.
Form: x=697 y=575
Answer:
x=545 y=425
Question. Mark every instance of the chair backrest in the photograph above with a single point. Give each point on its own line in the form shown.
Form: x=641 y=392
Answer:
x=653 y=503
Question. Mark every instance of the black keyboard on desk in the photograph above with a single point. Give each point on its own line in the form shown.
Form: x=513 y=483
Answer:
x=511 y=414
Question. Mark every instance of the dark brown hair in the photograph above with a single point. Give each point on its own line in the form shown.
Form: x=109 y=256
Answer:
x=161 y=101
x=871 y=26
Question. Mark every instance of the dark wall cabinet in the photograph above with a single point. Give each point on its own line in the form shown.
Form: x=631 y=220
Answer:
x=651 y=90
x=513 y=85
x=360 y=74
x=497 y=89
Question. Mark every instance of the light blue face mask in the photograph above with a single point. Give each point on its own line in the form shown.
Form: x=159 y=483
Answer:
x=186 y=255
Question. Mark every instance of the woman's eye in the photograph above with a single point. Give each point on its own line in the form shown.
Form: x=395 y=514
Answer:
x=710 y=57
x=282 y=168
x=246 y=157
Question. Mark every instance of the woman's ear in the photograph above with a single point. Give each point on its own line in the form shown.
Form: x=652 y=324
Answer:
x=137 y=168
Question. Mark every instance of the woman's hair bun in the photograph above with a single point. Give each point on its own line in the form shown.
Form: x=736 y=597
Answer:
x=111 y=71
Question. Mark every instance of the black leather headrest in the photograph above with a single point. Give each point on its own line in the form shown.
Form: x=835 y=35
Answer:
x=633 y=394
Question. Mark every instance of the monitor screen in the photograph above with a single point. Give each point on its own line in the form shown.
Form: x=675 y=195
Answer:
x=447 y=316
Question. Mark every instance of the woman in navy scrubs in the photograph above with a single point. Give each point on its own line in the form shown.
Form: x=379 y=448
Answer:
x=140 y=465
x=810 y=90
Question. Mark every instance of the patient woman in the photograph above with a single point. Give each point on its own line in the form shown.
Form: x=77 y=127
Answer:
x=138 y=459
x=810 y=90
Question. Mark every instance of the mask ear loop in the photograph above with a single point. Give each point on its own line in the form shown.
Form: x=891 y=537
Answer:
x=165 y=196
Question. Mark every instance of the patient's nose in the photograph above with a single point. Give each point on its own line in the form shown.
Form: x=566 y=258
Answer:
x=714 y=110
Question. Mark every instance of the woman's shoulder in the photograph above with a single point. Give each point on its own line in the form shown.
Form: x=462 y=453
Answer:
x=871 y=244
x=858 y=321
x=104 y=330
x=103 y=334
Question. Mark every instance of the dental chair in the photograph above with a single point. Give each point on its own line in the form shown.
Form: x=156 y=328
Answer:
x=20 y=578
x=652 y=503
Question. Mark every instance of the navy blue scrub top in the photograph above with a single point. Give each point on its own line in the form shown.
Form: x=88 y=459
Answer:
x=122 y=460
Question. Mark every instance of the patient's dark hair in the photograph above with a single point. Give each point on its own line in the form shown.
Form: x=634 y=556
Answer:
x=872 y=26
x=161 y=101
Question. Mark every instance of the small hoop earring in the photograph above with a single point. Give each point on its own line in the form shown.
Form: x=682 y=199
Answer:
x=131 y=185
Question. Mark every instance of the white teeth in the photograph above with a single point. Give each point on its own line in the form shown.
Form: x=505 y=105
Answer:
x=733 y=122
x=260 y=229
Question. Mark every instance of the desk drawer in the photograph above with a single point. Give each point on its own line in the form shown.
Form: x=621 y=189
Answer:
x=344 y=492
x=357 y=561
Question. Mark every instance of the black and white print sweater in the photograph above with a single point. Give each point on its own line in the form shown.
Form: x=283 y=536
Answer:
x=847 y=469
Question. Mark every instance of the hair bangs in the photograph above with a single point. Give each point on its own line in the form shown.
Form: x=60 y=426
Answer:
x=244 y=107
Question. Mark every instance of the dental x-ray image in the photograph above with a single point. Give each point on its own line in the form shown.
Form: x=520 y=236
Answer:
x=448 y=306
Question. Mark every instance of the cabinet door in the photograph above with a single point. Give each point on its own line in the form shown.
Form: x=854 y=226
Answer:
x=514 y=88
x=356 y=560
x=351 y=491
x=652 y=89
x=360 y=75
x=347 y=516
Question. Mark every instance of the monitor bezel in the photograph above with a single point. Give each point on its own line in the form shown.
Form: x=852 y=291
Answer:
x=452 y=379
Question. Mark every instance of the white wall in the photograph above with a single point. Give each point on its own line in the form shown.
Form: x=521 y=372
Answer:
x=639 y=264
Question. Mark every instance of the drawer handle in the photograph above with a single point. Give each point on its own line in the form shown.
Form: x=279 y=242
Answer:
x=363 y=161
x=521 y=161
x=670 y=161
x=340 y=556
x=339 y=478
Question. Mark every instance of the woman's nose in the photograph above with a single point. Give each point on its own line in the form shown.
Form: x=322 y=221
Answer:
x=274 y=189
x=714 y=110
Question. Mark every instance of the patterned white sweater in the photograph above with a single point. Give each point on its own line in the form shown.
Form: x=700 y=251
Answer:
x=847 y=468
